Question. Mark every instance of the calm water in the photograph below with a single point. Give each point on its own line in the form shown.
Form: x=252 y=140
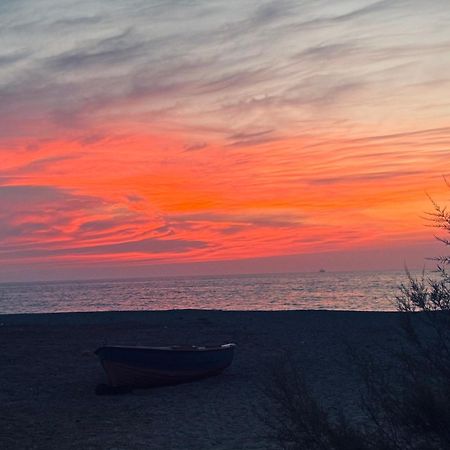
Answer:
x=364 y=291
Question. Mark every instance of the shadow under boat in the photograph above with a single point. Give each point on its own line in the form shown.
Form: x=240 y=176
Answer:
x=143 y=367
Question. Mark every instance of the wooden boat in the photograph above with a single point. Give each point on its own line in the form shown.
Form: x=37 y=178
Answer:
x=157 y=366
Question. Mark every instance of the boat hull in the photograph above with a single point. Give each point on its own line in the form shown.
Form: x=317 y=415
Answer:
x=152 y=366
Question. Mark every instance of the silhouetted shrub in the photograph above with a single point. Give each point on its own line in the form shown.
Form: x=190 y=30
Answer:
x=297 y=421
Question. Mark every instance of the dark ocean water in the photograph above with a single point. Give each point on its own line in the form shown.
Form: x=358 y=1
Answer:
x=363 y=291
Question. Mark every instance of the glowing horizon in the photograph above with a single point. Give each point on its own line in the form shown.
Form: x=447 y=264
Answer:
x=142 y=134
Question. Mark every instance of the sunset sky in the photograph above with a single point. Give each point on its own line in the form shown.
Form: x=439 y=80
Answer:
x=204 y=137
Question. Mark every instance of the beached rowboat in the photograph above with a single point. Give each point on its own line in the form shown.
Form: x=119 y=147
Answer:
x=158 y=366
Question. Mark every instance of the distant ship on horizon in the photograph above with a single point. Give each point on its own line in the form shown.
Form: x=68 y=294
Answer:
x=322 y=270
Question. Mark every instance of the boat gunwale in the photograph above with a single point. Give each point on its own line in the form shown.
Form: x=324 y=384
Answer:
x=174 y=348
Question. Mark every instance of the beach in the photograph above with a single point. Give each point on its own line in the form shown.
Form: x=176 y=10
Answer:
x=49 y=374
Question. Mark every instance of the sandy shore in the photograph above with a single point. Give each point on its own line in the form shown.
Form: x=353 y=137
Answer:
x=47 y=396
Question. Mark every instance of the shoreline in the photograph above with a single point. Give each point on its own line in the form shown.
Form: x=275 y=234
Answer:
x=114 y=316
x=49 y=379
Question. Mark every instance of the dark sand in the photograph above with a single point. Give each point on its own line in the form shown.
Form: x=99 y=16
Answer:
x=47 y=381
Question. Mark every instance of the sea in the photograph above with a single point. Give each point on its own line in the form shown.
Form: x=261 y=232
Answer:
x=353 y=291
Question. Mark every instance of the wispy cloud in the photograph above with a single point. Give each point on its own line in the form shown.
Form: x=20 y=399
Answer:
x=198 y=57
x=215 y=130
x=43 y=221
x=99 y=53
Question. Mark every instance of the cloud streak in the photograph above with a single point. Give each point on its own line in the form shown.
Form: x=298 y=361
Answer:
x=120 y=62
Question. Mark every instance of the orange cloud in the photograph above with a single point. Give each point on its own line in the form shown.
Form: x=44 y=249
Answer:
x=144 y=197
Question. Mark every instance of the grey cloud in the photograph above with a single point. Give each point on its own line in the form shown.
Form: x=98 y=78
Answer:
x=76 y=21
x=238 y=79
x=27 y=211
x=97 y=225
x=248 y=136
x=323 y=91
x=41 y=93
x=363 y=51
x=15 y=195
x=326 y=19
x=195 y=146
x=20 y=174
x=251 y=138
x=191 y=63
x=164 y=230
x=363 y=11
x=442 y=131
x=326 y=51
x=13 y=231
x=38 y=165
x=43 y=221
x=21 y=206
x=135 y=198
x=264 y=220
x=270 y=12
x=144 y=246
x=89 y=139
x=117 y=49
x=11 y=58
x=152 y=245
x=388 y=175
x=234 y=229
